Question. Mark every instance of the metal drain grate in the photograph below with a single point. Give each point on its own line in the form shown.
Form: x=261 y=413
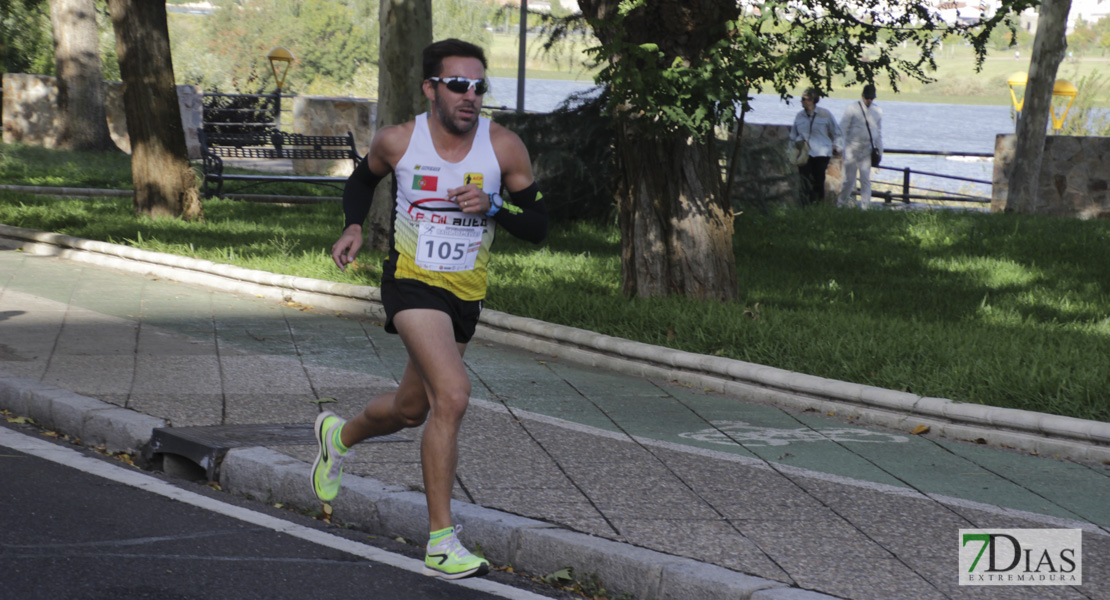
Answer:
x=206 y=446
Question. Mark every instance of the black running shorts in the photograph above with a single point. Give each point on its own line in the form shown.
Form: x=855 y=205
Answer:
x=401 y=294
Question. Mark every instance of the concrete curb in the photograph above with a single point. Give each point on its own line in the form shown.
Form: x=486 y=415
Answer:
x=92 y=421
x=1025 y=430
x=529 y=545
x=533 y=546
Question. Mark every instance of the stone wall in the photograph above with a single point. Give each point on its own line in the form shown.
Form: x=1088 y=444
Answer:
x=1075 y=176
x=322 y=115
x=765 y=176
x=30 y=115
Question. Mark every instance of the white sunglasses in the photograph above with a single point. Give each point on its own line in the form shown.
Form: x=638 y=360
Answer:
x=461 y=85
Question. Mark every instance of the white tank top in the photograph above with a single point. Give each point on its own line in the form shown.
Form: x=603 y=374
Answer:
x=434 y=241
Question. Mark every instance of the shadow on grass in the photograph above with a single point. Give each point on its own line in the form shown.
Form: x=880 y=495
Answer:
x=932 y=265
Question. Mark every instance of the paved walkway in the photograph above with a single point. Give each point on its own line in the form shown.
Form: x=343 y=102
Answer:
x=614 y=474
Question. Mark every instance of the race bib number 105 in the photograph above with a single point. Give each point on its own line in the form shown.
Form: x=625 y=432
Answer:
x=447 y=248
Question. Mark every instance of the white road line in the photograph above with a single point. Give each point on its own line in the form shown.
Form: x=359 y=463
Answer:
x=132 y=477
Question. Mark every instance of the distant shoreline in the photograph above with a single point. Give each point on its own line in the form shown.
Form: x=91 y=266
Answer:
x=1001 y=100
x=901 y=97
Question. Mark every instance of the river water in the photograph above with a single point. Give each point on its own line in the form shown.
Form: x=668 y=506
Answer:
x=906 y=126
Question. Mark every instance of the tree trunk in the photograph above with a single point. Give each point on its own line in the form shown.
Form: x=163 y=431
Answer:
x=676 y=225
x=1049 y=48
x=82 y=119
x=405 y=27
x=165 y=185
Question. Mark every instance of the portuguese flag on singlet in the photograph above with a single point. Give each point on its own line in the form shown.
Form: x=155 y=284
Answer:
x=424 y=183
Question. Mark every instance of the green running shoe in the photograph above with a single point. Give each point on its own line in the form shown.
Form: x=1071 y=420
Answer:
x=328 y=467
x=449 y=560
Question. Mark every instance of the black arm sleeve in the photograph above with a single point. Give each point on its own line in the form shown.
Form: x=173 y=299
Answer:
x=525 y=216
x=358 y=193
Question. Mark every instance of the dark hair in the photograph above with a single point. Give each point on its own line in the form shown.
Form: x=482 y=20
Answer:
x=436 y=52
x=869 y=91
x=813 y=94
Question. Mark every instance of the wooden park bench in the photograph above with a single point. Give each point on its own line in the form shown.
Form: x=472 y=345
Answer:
x=271 y=145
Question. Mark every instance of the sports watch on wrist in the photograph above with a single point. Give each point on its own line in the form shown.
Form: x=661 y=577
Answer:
x=495 y=203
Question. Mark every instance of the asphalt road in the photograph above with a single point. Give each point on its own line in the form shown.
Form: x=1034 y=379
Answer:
x=81 y=526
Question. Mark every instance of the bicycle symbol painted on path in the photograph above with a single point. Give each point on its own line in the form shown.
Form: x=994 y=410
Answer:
x=741 y=432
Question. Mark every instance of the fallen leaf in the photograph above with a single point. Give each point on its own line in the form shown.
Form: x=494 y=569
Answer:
x=920 y=429
x=560 y=576
x=21 y=420
x=321 y=400
x=215 y=485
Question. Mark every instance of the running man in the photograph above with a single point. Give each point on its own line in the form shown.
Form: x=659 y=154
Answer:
x=449 y=166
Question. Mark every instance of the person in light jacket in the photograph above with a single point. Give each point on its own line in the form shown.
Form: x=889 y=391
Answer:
x=819 y=128
x=863 y=130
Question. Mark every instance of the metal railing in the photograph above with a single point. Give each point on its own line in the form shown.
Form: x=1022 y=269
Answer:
x=909 y=191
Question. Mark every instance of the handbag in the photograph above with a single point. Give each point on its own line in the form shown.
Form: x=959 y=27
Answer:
x=798 y=153
x=876 y=156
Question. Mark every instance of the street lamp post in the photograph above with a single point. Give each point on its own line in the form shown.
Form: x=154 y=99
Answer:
x=1061 y=89
x=521 y=56
x=279 y=55
x=1017 y=81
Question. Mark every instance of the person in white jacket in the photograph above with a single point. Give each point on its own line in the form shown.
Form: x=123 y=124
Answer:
x=862 y=126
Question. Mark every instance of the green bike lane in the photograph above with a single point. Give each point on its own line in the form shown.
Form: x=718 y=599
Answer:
x=781 y=439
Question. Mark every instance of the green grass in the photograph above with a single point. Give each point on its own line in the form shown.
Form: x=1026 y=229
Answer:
x=1003 y=310
x=32 y=165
